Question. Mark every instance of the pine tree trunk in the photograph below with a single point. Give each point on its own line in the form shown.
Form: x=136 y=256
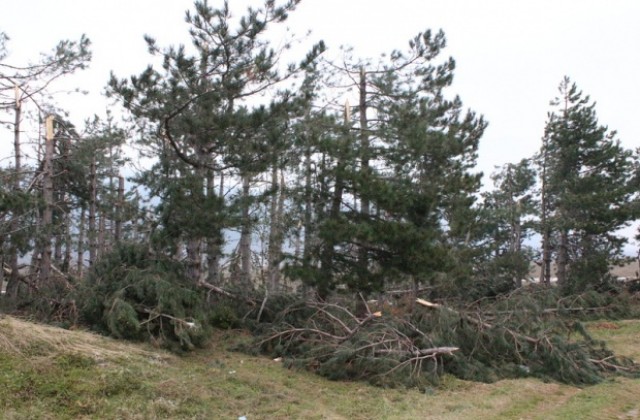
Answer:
x=117 y=232
x=517 y=281
x=13 y=282
x=327 y=255
x=309 y=233
x=365 y=210
x=213 y=245
x=364 y=141
x=275 y=230
x=66 y=262
x=1 y=262
x=245 y=236
x=47 y=196
x=60 y=230
x=102 y=229
x=281 y=201
x=80 y=246
x=563 y=258
x=193 y=259
x=545 y=265
x=92 y=233
x=515 y=245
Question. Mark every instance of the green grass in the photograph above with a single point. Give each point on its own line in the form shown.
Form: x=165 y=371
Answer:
x=623 y=336
x=50 y=373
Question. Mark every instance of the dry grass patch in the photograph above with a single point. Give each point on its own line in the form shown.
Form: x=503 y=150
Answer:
x=24 y=338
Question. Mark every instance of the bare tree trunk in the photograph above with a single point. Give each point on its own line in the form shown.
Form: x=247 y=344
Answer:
x=2 y=257
x=244 y=246
x=117 y=233
x=59 y=232
x=545 y=266
x=515 y=239
x=81 y=229
x=276 y=230
x=47 y=196
x=102 y=236
x=517 y=248
x=213 y=243
x=364 y=143
x=193 y=259
x=309 y=234
x=12 y=284
x=327 y=254
x=365 y=210
x=563 y=258
x=92 y=233
x=66 y=262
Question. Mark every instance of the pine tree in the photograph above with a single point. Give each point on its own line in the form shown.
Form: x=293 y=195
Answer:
x=211 y=123
x=588 y=191
x=395 y=177
x=506 y=210
x=31 y=85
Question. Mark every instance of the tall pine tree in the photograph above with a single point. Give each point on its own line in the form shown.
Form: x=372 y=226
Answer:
x=588 y=191
x=210 y=124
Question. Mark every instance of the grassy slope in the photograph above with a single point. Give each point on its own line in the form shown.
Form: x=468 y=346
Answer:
x=52 y=373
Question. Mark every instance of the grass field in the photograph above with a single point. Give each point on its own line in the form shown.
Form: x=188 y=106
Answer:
x=51 y=373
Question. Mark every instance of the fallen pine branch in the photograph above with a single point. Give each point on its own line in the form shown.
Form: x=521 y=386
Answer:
x=473 y=320
x=435 y=351
x=223 y=292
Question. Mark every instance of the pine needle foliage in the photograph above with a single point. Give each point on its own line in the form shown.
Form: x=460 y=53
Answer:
x=133 y=293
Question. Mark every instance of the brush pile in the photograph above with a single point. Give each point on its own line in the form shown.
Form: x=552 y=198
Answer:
x=514 y=337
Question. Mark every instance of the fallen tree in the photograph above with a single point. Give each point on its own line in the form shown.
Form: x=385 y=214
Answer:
x=418 y=348
x=133 y=293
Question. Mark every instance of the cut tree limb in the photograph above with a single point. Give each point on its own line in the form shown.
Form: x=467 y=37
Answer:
x=223 y=292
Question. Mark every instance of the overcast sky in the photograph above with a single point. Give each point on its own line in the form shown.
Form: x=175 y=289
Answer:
x=510 y=55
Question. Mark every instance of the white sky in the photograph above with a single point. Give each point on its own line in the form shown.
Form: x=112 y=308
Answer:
x=511 y=55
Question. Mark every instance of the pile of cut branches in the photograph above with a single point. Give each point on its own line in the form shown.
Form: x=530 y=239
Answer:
x=331 y=340
x=482 y=343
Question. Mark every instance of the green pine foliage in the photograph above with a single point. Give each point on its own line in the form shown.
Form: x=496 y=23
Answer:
x=394 y=180
x=133 y=293
x=589 y=191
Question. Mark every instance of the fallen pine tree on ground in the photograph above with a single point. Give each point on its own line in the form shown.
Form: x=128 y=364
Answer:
x=418 y=348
